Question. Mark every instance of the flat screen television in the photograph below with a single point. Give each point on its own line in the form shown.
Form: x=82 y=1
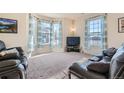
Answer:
x=73 y=41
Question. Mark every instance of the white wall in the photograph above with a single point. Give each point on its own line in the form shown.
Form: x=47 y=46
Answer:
x=79 y=24
x=20 y=38
x=115 y=39
x=66 y=25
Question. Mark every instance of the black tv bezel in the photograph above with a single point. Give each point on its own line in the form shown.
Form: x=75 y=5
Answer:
x=72 y=37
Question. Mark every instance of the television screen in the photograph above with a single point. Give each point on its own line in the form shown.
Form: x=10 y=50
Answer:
x=73 y=41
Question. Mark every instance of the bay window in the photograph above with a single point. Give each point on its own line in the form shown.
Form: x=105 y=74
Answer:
x=44 y=33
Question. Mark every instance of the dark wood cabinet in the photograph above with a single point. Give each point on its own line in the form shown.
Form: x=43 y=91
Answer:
x=73 y=49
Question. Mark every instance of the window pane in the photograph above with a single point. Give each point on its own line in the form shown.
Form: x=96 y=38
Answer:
x=90 y=30
x=96 y=26
x=56 y=34
x=91 y=26
x=95 y=22
x=91 y=22
x=45 y=38
x=96 y=30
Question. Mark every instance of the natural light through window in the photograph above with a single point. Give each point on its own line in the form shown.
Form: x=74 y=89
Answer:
x=95 y=30
x=44 y=33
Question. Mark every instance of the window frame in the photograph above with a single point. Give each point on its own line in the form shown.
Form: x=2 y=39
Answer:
x=43 y=32
x=32 y=33
x=98 y=22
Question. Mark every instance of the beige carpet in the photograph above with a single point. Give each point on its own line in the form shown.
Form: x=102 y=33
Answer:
x=64 y=74
x=52 y=65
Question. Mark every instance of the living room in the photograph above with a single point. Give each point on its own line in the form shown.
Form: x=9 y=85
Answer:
x=47 y=53
x=55 y=64
x=53 y=44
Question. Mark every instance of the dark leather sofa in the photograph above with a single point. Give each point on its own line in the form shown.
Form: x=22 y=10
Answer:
x=13 y=62
x=109 y=65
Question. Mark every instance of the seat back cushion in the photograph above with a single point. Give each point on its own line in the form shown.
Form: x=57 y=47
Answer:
x=100 y=67
x=117 y=62
x=19 y=49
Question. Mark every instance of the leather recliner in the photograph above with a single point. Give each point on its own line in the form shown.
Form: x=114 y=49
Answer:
x=13 y=62
x=110 y=65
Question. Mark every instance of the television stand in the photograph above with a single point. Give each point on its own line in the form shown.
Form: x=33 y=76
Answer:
x=73 y=49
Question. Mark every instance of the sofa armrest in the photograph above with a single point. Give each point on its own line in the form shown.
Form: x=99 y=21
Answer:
x=24 y=61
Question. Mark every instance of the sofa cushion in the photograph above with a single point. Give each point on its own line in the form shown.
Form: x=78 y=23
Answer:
x=100 y=67
x=9 y=64
x=9 y=54
x=83 y=72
